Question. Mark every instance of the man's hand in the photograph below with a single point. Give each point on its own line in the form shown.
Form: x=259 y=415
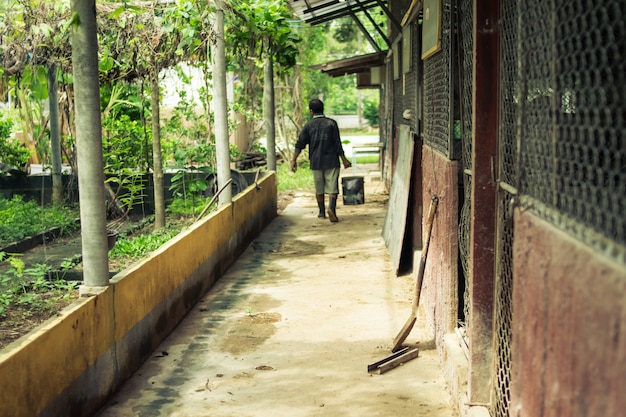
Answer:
x=346 y=162
x=294 y=166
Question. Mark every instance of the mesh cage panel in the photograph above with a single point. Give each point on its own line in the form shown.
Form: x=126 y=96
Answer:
x=503 y=299
x=437 y=94
x=406 y=86
x=398 y=101
x=464 y=239
x=507 y=178
x=465 y=53
x=509 y=95
x=573 y=133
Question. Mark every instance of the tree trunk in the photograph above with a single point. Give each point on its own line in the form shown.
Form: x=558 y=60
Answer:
x=159 y=192
x=268 y=108
x=89 y=147
x=222 y=145
x=55 y=137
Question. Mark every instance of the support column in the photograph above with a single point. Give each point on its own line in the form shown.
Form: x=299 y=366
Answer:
x=483 y=214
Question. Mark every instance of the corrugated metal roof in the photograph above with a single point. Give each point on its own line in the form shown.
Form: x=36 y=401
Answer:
x=319 y=11
x=316 y=12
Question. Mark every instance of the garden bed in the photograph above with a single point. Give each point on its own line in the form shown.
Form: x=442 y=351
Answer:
x=62 y=256
x=51 y=271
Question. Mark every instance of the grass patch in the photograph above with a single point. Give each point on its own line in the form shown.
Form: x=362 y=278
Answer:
x=302 y=179
x=366 y=159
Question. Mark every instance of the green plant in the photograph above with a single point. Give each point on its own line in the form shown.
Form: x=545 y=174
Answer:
x=26 y=291
x=12 y=153
x=138 y=246
x=187 y=207
x=125 y=153
x=68 y=264
x=125 y=143
x=371 y=112
x=26 y=218
x=127 y=190
x=5 y=301
x=186 y=134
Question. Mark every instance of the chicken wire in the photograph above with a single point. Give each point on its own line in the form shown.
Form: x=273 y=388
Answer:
x=438 y=92
x=573 y=155
x=466 y=57
x=507 y=191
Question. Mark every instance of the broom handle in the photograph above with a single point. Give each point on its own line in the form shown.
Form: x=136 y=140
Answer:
x=420 y=274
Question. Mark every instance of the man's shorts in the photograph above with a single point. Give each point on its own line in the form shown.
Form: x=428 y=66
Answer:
x=326 y=181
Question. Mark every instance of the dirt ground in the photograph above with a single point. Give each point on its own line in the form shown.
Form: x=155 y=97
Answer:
x=290 y=330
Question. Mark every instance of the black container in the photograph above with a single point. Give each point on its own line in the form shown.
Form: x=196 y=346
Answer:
x=352 y=190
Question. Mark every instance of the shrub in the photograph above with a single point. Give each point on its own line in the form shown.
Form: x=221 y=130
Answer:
x=12 y=153
x=371 y=112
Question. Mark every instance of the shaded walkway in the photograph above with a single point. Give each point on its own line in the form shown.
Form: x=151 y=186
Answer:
x=291 y=328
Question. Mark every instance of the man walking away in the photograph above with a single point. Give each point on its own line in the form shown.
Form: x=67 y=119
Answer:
x=322 y=136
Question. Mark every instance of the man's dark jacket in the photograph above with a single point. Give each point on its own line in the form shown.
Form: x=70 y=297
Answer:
x=322 y=136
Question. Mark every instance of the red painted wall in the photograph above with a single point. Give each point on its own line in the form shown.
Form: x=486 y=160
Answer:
x=439 y=299
x=569 y=326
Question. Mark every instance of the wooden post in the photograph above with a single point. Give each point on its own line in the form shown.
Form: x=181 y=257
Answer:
x=483 y=213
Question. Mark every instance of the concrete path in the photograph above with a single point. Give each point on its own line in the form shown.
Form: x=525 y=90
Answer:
x=291 y=328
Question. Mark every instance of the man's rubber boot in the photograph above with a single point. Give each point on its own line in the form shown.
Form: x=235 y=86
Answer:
x=332 y=202
x=321 y=214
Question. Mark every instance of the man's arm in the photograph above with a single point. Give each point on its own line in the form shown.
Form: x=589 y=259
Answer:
x=346 y=162
x=294 y=164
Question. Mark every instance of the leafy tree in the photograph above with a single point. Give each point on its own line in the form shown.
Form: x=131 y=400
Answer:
x=371 y=110
x=254 y=30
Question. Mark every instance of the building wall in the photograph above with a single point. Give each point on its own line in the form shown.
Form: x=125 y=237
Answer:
x=439 y=299
x=569 y=326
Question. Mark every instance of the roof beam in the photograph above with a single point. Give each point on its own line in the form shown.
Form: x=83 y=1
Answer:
x=336 y=12
x=380 y=32
x=390 y=15
x=367 y=34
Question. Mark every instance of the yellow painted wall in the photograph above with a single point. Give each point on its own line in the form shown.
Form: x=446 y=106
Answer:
x=71 y=364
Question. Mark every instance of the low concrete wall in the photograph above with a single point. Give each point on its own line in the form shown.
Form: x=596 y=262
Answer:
x=74 y=362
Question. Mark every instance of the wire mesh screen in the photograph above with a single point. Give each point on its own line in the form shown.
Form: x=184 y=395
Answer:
x=464 y=241
x=406 y=86
x=503 y=299
x=437 y=92
x=509 y=95
x=573 y=164
x=507 y=180
x=465 y=54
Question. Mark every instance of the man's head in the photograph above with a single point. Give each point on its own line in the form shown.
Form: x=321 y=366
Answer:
x=316 y=106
